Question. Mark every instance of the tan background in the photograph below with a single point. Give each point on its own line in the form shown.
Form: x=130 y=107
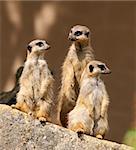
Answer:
x=113 y=27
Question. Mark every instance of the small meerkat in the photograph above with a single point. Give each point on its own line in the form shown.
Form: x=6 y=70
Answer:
x=35 y=96
x=90 y=113
x=79 y=55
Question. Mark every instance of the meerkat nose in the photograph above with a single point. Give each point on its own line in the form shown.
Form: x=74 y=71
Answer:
x=71 y=38
x=108 y=71
x=48 y=47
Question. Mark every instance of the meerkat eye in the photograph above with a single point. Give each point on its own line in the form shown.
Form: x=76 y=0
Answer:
x=91 y=68
x=29 y=48
x=78 y=33
x=102 y=67
x=87 y=34
x=40 y=44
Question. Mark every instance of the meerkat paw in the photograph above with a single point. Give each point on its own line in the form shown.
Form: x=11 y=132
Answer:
x=79 y=131
x=42 y=119
x=79 y=128
x=91 y=133
x=13 y=106
x=99 y=136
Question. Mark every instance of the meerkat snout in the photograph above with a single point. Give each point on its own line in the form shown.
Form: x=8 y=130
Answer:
x=79 y=33
x=38 y=46
x=97 y=67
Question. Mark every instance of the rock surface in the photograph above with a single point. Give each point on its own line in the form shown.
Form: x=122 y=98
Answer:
x=18 y=131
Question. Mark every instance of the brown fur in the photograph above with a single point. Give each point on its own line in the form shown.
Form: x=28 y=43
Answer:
x=36 y=84
x=92 y=103
x=79 y=55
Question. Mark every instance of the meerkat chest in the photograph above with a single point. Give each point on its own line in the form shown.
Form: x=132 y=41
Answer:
x=96 y=95
x=95 y=92
x=38 y=69
x=96 y=98
x=92 y=91
x=79 y=63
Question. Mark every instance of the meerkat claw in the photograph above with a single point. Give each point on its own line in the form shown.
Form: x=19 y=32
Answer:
x=79 y=134
x=99 y=136
x=42 y=119
x=13 y=106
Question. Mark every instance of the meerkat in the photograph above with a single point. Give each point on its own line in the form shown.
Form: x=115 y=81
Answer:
x=79 y=55
x=35 y=96
x=89 y=116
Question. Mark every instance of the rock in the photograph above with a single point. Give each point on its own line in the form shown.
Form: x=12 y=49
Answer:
x=18 y=131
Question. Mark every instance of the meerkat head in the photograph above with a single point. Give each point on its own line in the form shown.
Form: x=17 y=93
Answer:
x=95 y=68
x=79 y=34
x=37 y=46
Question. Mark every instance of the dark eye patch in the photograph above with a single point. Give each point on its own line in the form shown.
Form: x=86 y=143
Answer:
x=87 y=34
x=91 y=67
x=29 y=48
x=102 y=67
x=78 y=33
x=40 y=44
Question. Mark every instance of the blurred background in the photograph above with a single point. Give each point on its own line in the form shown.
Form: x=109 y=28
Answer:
x=113 y=38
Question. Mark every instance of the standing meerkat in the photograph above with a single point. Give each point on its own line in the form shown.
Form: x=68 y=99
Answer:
x=79 y=55
x=36 y=83
x=90 y=113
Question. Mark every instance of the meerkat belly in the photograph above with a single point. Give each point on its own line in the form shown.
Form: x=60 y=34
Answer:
x=96 y=99
x=79 y=63
x=78 y=69
x=36 y=82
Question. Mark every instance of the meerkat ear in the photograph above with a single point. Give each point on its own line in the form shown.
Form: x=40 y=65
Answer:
x=29 y=48
x=91 y=67
x=87 y=34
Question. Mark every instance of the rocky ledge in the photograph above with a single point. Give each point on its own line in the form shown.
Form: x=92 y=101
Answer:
x=18 y=131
